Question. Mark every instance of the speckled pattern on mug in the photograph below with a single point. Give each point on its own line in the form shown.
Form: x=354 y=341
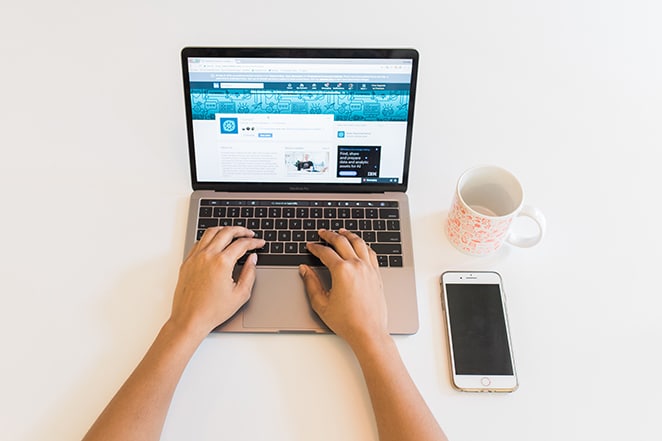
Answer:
x=474 y=233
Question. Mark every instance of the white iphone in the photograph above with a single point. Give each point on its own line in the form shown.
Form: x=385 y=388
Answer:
x=481 y=356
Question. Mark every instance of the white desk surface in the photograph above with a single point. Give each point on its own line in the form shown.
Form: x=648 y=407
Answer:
x=94 y=183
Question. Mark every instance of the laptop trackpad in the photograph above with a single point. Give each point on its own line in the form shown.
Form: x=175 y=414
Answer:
x=279 y=301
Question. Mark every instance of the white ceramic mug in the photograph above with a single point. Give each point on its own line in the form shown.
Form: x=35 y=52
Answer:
x=487 y=199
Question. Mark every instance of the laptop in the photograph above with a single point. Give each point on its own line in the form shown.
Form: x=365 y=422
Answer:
x=285 y=141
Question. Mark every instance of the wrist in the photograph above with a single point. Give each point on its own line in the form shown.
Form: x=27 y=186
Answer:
x=371 y=342
x=182 y=330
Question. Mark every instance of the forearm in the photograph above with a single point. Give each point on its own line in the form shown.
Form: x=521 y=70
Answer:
x=400 y=411
x=138 y=410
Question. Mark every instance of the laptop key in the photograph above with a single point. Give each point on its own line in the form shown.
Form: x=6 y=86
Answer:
x=207 y=223
x=365 y=225
x=378 y=224
x=337 y=224
x=395 y=261
x=388 y=236
x=369 y=236
x=358 y=213
x=298 y=236
x=284 y=236
x=270 y=235
x=393 y=225
x=389 y=213
x=288 y=259
x=209 y=202
x=281 y=224
x=309 y=224
x=386 y=248
x=267 y=224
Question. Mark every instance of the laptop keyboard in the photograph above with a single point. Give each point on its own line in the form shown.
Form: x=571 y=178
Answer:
x=287 y=226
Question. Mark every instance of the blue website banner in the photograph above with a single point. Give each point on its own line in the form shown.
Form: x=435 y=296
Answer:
x=378 y=104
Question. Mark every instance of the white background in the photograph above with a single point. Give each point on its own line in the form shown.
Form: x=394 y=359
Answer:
x=94 y=183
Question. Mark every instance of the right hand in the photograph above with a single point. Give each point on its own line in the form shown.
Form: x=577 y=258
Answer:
x=354 y=308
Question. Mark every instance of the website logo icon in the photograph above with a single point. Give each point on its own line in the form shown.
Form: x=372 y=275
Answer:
x=229 y=126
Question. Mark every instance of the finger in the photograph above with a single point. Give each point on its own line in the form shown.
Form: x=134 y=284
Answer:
x=327 y=255
x=241 y=246
x=206 y=238
x=339 y=243
x=246 y=278
x=373 y=258
x=316 y=294
x=360 y=247
x=225 y=236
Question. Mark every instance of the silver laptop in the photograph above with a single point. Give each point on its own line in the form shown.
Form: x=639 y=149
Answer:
x=285 y=141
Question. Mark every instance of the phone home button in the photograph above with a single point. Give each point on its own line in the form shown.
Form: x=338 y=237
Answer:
x=485 y=381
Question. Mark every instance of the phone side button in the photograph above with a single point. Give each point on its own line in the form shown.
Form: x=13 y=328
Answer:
x=485 y=381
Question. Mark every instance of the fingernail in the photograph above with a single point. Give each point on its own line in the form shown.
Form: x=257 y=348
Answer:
x=253 y=258
x=302 y=270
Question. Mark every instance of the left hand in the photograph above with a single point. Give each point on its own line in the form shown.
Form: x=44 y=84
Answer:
x=206 y=295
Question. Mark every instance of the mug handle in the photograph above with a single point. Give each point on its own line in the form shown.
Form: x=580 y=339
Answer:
x=529 y=241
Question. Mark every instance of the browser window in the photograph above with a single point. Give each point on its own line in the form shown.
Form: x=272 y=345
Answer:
x=302 y=121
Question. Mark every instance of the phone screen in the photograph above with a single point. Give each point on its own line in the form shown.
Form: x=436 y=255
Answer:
x=478 y=329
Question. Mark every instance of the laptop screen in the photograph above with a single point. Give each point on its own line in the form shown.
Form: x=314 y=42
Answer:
x=299 y=119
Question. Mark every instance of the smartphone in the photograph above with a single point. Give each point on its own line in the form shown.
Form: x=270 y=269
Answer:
x=480 y=350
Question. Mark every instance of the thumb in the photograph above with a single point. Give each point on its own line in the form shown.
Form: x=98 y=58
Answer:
x=311 y=281
x=246 y=278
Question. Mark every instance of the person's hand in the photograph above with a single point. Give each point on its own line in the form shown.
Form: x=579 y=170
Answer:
x=206 y=295
x=354 y=308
